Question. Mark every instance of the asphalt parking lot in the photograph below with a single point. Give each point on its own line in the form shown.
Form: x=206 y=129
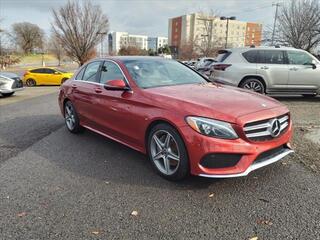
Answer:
x=61 y=186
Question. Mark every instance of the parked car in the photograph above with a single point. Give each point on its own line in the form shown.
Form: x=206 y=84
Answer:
x=10 y=83
x=202 y=62
x=45 y=76
x=206 y=69
x=273 y=70
x=184 y=123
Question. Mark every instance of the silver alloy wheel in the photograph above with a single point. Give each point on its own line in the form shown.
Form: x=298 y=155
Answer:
x=165 y=152
x=69 y=117
x=254 y=85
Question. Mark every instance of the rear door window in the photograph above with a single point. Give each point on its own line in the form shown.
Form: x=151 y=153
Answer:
x=271 y=57
x=38 y=70
x=251 y=56
x=91 y=71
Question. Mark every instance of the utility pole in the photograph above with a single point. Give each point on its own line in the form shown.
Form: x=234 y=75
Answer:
x=275 y=21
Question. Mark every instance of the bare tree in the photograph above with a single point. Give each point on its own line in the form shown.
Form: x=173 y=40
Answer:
x=28 y=36
x=132 y=51
x=299 y=24
x=55 y=47
x=77 y=27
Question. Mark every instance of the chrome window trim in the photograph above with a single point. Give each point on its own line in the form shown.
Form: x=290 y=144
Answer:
x=98 y=83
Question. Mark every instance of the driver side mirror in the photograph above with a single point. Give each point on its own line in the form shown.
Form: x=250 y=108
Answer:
x=116 y=85
x=56 y=73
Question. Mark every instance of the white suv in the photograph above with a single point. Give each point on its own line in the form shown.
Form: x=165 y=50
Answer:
x=273 y=70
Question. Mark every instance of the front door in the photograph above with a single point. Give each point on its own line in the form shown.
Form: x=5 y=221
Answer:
x=302 y=74
x=114 y=109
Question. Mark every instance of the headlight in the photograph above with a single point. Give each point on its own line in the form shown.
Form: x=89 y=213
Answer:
x=212 y=128
x=4 y=81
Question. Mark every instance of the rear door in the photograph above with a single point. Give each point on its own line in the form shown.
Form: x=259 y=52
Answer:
x=272 y=66
x=39 y=75
x=302 y=75
x=83 y=92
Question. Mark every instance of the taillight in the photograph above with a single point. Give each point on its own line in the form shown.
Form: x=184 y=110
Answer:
x=221 y=67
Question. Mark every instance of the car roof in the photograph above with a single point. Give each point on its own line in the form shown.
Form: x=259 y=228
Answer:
x=41 y=68
x=261 y=48
x=126 y=58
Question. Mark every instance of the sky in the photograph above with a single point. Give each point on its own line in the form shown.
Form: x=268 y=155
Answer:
x=145 y=17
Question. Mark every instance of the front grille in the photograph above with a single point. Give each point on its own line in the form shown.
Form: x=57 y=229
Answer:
x=220 y=160
x=17 y=83
x=266 y=129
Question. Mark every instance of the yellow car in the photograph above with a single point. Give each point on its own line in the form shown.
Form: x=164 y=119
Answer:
x=45 y=76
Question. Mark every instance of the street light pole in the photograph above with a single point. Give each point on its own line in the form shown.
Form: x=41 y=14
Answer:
x=275 y=21
x=227 y=27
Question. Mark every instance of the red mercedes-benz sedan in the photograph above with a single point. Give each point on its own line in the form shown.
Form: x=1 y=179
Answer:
x=183 y=122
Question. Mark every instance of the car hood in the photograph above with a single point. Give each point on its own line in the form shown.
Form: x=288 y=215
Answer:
x=213 y=100
x=8 y=74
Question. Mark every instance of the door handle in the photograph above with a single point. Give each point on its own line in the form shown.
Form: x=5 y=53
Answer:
x=264 y=67
x=98 y=90
x=74 y=86
x=293 y=69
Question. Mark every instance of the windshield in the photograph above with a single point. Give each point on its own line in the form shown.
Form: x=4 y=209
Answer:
x=149 y=73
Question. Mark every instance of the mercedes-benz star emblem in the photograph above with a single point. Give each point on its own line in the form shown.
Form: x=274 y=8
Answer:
x=275 y=128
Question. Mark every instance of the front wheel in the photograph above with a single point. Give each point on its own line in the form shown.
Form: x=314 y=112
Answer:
x=71 y=118
x=254 y=85
x=167 y=152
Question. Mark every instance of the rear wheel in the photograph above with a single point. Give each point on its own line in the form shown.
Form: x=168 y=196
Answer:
x=167 y=152
x=71 y=118
x=7 y=94
x=31 y=82
x=254 y=85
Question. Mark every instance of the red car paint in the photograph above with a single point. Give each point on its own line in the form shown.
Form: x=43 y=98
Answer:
x=126 y=116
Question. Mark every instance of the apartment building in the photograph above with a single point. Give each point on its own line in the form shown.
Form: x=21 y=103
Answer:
x=116 y=40
x=155 y=43
x=199 y=28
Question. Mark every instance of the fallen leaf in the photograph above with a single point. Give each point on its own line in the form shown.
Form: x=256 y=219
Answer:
x=283 y=163
x=95 y=232
x=211 y=195
x=253 y=238
x=264 y=222
x=134 y=213
x=22 y=214
x=107 y=182
x=264 y=200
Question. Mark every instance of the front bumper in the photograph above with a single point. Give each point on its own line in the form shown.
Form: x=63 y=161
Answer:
x=11 y=90
x=250 y=152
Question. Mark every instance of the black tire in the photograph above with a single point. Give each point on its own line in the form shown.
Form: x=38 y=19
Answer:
x=30 y=82
x=182 y=168
x=63 y=80
x=309 y=95
x=7 y=94
x=253 y=84
x=72 y=116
